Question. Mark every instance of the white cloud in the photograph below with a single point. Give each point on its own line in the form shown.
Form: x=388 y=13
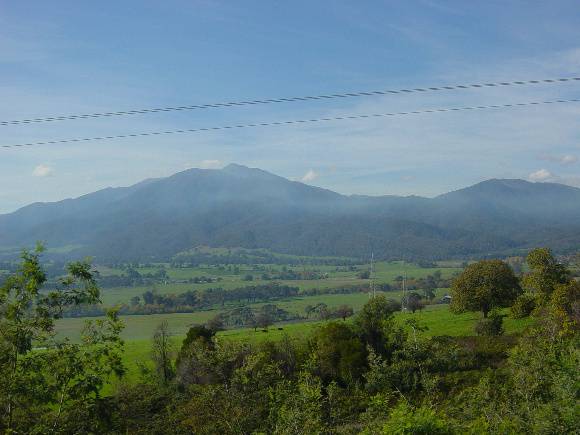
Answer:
x=42 y=171
x=567 y=159
x=540 y=175
x=211 y=164
x=309 y=176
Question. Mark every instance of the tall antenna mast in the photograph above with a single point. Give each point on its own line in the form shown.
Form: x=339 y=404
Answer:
x=404 y=298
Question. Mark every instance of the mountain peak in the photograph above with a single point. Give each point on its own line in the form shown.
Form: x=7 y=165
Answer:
x=512 y=186
x=240 y=169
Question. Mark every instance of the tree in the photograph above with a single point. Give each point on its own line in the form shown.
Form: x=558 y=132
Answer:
x=364 y=274
x=148 y=297
x=373 y=319
x=412 y=302
x=420 y=421
x=191 y=362
x=40 y=386
x=429 y=285
x=483 y=286
x=340 y=354
x=344 y=311
x=546 y=273
x=264 y=320
x=322 y=311
x=161 y=352
x=565 y=307
x=216 y=323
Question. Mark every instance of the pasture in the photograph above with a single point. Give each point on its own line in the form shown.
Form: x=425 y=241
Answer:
x=436 y=318
x=385 y=273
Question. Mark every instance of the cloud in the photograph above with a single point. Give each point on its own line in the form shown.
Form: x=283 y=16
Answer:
x=540 y=175
x=42 y=171
x=567 y=159
x=211 y=164
x=309 y=176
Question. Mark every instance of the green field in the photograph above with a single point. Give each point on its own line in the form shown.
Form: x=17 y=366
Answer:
x=139 y=329
x=385 y=273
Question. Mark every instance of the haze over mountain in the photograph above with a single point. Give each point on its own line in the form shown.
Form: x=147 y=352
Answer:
x=244 y=207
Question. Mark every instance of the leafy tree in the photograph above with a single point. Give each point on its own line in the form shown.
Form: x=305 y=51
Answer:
x=406 y=420
x=364 y=274
x=298 y=407
x=413 y=302
x=483 y=286
x=535 y=392
x=216 y=323
x=264 y=320
x=429 y=285
x=545 y=272
x=374 y=319
x=523 y=306
x=340 y=354
x=40 y=386
x=344 y=311
x=565 y=307
x=148 y=297
x=198 y=333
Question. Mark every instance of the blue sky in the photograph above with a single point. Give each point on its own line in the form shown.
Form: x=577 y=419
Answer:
x=80 y=57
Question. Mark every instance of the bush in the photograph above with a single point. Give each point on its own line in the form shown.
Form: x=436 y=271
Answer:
x=418 y=421
x=523 y=306
x=491 y=326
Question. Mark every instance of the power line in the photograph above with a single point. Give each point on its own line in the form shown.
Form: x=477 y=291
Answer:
x=283 y=100
x=300 y=121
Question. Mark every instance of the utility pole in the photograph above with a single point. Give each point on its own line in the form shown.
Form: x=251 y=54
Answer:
x=373 y=290
x=404 y=298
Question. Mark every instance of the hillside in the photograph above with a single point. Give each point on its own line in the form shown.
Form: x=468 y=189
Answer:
x=240 y=206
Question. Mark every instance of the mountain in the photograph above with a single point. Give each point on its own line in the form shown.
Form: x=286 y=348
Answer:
x=245 y=207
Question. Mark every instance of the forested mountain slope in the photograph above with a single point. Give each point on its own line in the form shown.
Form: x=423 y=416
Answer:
x=240 y=206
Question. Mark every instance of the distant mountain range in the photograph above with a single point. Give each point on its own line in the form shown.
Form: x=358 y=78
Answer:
x=244 y=207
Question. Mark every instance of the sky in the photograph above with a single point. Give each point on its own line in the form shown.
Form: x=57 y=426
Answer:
x=71 y=57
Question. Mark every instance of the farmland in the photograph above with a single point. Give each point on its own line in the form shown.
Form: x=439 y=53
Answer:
x=138 y=331
x=236 y=276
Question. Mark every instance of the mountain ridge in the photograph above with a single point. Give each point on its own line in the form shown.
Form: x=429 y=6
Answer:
x=239 y=206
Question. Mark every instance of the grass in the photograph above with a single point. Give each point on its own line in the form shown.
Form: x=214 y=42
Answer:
x=138 y=327
x=386 y=272
x=437 y=318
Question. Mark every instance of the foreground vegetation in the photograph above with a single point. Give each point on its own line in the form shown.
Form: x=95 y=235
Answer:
x=379 y=371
